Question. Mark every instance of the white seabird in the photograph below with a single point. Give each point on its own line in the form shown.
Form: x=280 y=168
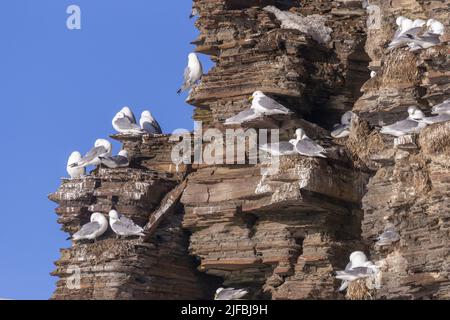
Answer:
x=282 y=148
x=388 y=237
x=102 y=148
x=149 y=124
x=412 y=124
x=242 y=117
x=263 y=105
x=75 y=173
x=124 y=226
x=192 y=73
x=125 y=122
x=119 y=161
x=194 y=12
x=343 y=130
x=230 y=294
x=437 y=119
x=442 y=108
x=373 y=74
x=93 y=229
x=357 y=268
x=306 y=146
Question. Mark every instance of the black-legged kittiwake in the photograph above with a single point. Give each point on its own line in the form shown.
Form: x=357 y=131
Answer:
x=388 y=237
x=412 y=124
x=102 y=148
x=342 y=130
x=124 y=226
x=442 y=108
x=306 y=146
x=263 y=105
x=92 y=230
x=358 y=267
x=230 y=294
x=74 y=172
x=119 y=161
x=192 y=73
x=149 y=124
x=125 y=122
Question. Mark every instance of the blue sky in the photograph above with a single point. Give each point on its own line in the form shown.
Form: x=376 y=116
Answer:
x=59 y=90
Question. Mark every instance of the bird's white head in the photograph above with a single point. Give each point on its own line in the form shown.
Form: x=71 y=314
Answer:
x=300 y=133
x=127 y=112
x=114 y=215
x=399 y=20
x=347 y=117
x=358 y=257
x=103 y=143
x=98 y=217
x=74 y=157
x=415 y=113
x=435 y=27
x=192 y=56
x=147 y=115
x=257 y=94
x=123 y=153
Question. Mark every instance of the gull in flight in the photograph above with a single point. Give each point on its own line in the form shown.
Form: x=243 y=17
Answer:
x=343 y=130
x=230 y=294
x=74 y=172
x=124 y=226
x=306 y=146
x=358 y=268
x=125 y=122
x=149 y=124
x=192 y=73
x=412 y=124
x=119 y=161
x=102 y=148
x=93 y=229
x=263 y=105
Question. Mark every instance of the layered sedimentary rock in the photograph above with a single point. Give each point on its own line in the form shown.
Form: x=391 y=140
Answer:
x=281 y=229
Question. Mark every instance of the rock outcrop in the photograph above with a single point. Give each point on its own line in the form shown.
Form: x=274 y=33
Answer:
x=282 y=235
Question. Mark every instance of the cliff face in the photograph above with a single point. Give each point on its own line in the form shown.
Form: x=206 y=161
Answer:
x=283 y=235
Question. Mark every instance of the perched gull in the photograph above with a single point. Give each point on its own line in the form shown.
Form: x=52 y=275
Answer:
x=93 y=229
x=388 y=237
x=119 y=161
x=149 y=124
x=242 y=117
x=343 y=130
x=74 y=172
x=194 y=12
x=305 y=146
x=412 y=124
x=230 y=294
x=192 y=73
x=263 y=105
x=442 y=108
x=102 y=148
x=125 y=122
x=124 y=226
x=357 y=268
x=278 y=149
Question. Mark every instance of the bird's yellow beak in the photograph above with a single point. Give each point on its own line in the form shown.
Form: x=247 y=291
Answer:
x=250 y=98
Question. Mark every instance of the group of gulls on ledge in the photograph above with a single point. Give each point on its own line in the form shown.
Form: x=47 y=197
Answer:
x=414 y=35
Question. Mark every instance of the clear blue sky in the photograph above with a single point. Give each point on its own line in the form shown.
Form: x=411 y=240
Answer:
x=59 y=90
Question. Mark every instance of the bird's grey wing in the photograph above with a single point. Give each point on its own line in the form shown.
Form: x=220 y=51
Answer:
x=126 y=228
x=309 y=147
x=129 y=222
x=280 y=148
x=270 y=104
x=88 y=229
x=157 y=127
x=114 y=162
x=231 y=294
x=442 y=107
x=126 y=124
x=187 y=75
x=241 y=117
x=339 y=130
x=403 y=125
x=94 y=153
x=440 y=118
x=348 y=266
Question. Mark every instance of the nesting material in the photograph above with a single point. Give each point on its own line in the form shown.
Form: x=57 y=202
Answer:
x=359 y=290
